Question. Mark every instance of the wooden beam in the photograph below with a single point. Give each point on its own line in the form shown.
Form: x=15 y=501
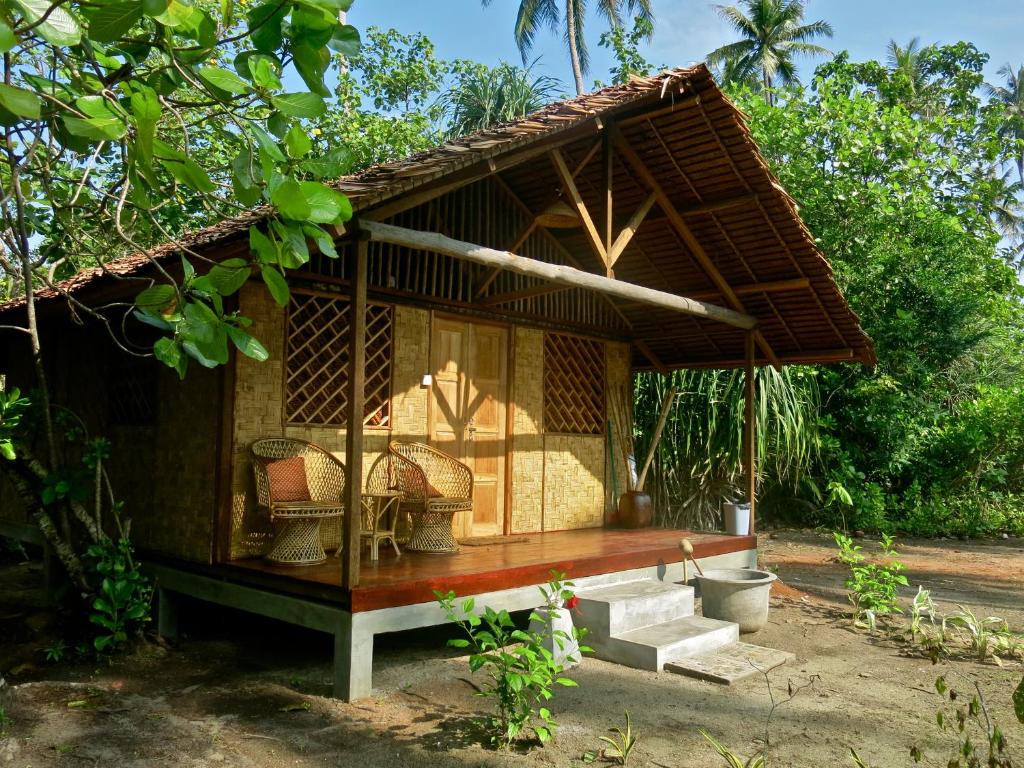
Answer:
x=750 y=429
x=630 y=229
x=821 y=357
x=354 y=421
x=525 y=293
x=647 y=352
x=555 y=273
x=690 y=239
x=569 y=185
x=749 y=289
x=714 y=206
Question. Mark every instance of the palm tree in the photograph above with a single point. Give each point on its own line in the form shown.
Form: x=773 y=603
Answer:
x=908 y=63
x=534 y=14
x=772 y=33
x=482 y=96
x=1011 y=96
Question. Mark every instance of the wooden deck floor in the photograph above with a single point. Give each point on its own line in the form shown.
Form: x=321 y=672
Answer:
x=493 y=564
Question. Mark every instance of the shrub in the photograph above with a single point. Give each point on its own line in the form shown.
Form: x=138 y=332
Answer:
x=521 y=671
x=122 y=601
x=873 y=587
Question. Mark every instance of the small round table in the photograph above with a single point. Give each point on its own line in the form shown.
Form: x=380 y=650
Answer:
x=432 y=528
x=377 y=507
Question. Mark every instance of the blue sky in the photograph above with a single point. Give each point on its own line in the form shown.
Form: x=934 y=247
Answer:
x=685 y=30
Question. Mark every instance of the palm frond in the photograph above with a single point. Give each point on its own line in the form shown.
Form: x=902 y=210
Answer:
x=532 y=16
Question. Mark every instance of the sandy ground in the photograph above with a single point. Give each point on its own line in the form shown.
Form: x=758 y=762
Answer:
x=240 y=691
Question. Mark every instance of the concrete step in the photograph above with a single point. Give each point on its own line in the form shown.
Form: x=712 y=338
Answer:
x=731 y=663
x=652 y=646
x=617 y=608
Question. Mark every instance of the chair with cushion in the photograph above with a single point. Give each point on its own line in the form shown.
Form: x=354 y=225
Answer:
x=434 y=487
x=302 y=486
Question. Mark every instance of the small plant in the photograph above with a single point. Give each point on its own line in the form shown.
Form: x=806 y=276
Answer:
x=559 y=592
x=873 y=587
x=987 y=638
x=5 y=720
x=620 y=745
x=967 y=717
x=123 y=599
x=56 y=652
x=521 y=671
x=732 y=759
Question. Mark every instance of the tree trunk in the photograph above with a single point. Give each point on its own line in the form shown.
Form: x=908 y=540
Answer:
x=766 y=84
x=574 y=54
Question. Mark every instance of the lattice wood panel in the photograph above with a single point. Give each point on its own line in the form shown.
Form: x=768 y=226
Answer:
x=317 y=361
x=574 y=385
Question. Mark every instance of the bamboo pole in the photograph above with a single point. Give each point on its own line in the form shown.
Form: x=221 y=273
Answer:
x=666 y=406
x=555 y=273
x=354 y=421
x=750 y=429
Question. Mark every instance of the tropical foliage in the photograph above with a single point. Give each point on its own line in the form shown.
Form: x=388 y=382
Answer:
x=534 y=15
x=772 y=33
x=481 y=96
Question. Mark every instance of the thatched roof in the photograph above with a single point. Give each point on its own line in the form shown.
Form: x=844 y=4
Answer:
x=698 y=148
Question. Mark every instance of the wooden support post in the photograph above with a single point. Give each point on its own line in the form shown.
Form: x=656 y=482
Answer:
x=608 y=207
x=576 y=200
x=354 y=421
x=750 y=429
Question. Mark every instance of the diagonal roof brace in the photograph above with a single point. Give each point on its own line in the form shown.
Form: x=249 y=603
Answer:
x=555 y=273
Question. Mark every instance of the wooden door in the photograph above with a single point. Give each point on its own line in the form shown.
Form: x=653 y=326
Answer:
x=467 y=414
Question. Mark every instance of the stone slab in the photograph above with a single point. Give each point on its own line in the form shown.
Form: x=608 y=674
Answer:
x=731 y=663
x=617 y=608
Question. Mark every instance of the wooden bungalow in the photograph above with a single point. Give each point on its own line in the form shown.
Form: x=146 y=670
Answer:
x=492 y=297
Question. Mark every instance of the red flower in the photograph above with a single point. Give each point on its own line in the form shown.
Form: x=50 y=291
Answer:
x=572 y=602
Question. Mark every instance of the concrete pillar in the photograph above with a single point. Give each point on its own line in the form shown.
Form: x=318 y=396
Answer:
x=167 y=614
x=353 y=658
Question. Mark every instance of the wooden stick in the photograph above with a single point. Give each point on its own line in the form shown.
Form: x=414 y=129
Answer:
x=555 y=273
x=666 y=406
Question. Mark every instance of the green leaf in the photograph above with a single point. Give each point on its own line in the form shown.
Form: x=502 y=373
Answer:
x=7 y=37
x=277 y=285
x=61 y=28
x=175 y=14
x=326 y=206
x=247 y=345
x=110 y=22
x=154 y=7
x=346 y=40
x=223 y=80
x=267 y=144
x=265 y=26
x=297 y=142
x=335 y=163
x=20 y=102
x=1018 y=701
x=311 y=63
x=145 y=107
x=323 y=240
x=294 y=250
x=229 y=276
x=264 y=70
x=290 y=200
x=307 y=105
x=156 y=298
x=266 y=250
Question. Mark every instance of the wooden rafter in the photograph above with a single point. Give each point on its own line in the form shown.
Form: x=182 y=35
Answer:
x=525 y=293
x=647 y=352
x=569 y=185
x=555 y=273
x=630 y=229
x=684 y=231
x=516 y=244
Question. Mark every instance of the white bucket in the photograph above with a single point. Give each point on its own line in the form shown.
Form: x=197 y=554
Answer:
x=737 y=519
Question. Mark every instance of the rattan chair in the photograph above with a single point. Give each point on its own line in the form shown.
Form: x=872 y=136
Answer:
x=301 y=485
x=434 y=487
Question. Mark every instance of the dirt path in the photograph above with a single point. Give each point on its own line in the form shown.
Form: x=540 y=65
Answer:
x=239 y=691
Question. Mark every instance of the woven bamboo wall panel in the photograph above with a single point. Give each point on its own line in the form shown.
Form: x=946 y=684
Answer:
x=574 y=495
x=527 y=439
x=574 y=385
x=259 y=405
x=620 y=389
x=317 y=360
x=411 y=360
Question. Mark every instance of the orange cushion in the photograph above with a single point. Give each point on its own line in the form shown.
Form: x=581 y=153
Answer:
x=288 y=480
x=433 y=493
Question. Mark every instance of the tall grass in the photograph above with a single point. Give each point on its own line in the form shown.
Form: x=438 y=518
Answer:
x=698 y=463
